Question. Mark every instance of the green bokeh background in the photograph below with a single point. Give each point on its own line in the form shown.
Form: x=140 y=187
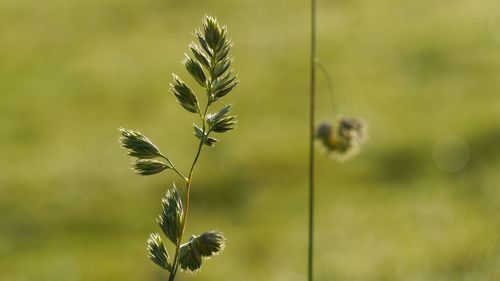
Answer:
x=72 y=72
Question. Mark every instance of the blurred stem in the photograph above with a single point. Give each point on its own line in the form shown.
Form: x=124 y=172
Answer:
x=328 y=83
x=175 y=266
x=311 y=142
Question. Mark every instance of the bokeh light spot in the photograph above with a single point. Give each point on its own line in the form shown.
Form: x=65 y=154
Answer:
x=451 y=153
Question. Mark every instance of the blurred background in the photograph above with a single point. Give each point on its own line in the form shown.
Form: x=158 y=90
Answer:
x=421 y=201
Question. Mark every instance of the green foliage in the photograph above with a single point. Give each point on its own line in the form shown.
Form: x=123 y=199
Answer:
x=211 y=54
x=157 y=252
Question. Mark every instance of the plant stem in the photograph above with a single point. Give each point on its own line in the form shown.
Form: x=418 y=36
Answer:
x=328 y=84
x=174 y=168
x=311 y=142
x=188 y=192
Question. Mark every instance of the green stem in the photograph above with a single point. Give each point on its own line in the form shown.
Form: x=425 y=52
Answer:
x=175 y=266
x=311 y=142
x=206 y=132
x=328 y=84
x=174 y=168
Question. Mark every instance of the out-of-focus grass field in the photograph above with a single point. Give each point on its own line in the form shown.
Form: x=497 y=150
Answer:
x=72 y=72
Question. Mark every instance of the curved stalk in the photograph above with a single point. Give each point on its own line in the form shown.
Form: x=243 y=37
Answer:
x=328 y=84
x=174 y=168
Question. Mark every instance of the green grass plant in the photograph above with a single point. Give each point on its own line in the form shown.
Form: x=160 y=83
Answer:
x=209 y=65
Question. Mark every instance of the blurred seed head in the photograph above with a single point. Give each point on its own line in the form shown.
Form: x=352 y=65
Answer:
x=343 y=138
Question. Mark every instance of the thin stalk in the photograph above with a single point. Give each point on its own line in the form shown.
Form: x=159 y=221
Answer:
x=310 y=253
x=328 y=84
x=174 y=168
x=175 y=266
